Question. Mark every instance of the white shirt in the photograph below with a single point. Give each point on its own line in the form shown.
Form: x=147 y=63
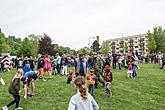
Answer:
x=77 y=103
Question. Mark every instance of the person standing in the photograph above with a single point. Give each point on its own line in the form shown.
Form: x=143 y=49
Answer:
x=97 y=66
x=54 y=66
x=108 y=78
x=163 y=61
x=64 y=65
x=40 y=67
x=80 y=66
x=82 y=100
x=91 y=81
x=47 y=65
x=114 y=55
x=19 y=63
x=58 y=63
x=31 y=61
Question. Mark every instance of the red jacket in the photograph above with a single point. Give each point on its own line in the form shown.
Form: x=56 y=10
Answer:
x=108 y=76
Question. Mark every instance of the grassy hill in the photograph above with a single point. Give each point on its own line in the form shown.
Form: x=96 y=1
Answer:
x=147 y=92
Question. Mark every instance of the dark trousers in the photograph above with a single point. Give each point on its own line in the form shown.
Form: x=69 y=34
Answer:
x=68 y=80
x=114 y=65
x=119 y=65
x=91 y=87
x=134 y=67
x=16 y=100
x=58 y=68
x=162 y=65
x=99 y=80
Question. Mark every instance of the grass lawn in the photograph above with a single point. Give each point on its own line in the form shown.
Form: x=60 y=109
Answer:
x=147 y=92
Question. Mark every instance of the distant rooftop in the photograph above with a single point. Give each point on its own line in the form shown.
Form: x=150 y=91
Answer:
x=133 y=36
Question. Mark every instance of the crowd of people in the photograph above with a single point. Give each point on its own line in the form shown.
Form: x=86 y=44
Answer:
x=93 y=69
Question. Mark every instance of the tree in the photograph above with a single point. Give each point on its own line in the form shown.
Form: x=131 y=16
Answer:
x=45 y=46
x=15 y=44
x=156 y=40
x=151 y=42
x=26 y=48
x=4 y=46
x=96 y=46
x=35 y=42
x=105 y=48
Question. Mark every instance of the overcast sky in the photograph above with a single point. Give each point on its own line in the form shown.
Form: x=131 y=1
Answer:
x=72 y=22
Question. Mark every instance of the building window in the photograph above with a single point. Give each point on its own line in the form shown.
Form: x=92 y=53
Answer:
x=136 y=46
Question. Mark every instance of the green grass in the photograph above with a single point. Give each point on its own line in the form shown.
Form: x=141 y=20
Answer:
x=147 y=92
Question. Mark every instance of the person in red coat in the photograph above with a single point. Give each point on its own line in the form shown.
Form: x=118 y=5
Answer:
x=108 y=78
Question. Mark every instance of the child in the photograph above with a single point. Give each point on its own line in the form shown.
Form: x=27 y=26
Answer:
x=108 y=79
x=14 y=89
x=26 y=68
x=129 y=72
x=69 y=77
x=29 y=78
x=40 y=67
x=91 y=81
x=82 y=100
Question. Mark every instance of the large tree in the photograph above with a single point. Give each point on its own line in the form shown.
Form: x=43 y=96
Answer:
x=151 y=42
x=156 y=40
x=45 y=45
x=35 y=42
x=105 y=48
x=4 y=46
x=15 y=44
x=26 y=48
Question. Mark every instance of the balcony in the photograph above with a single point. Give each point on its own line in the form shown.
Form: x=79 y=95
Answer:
x=141 y=40
x=131 y=41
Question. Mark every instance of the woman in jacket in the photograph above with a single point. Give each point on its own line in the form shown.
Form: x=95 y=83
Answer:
x=14 y=89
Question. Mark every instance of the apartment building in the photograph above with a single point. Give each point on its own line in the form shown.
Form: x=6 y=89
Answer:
x=129 y=44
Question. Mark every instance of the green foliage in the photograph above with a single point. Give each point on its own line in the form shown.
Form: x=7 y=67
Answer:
x=15 y=44
x=105 y=48
x=151 y=42
x=82 y=51
x=31 y=45
x=34 y=40
x=26 y=48
x=63 y=50
x=4 y=46
x=156 y=40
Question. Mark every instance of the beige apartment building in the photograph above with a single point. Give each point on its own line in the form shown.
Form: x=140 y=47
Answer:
x=129 y=44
